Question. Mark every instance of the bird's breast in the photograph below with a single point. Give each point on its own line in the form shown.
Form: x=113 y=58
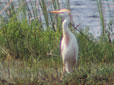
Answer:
x=66 y=39
x=65 y=42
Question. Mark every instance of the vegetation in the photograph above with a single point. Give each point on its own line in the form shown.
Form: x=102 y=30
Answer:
x=30 y=55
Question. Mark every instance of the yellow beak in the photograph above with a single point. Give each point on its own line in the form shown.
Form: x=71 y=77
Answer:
x=56 y=12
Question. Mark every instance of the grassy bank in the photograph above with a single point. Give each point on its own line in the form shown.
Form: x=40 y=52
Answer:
x=31 y=56
x=48 y=71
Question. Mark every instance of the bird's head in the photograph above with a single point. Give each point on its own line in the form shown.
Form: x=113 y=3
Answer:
x=63 y=12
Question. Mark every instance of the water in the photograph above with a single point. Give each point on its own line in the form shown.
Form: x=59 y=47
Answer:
x=85 y=13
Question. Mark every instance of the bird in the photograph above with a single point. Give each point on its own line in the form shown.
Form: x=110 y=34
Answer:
x=69 y=44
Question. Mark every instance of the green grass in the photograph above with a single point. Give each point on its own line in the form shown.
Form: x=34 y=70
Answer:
x=48 y=72
x=31 y=56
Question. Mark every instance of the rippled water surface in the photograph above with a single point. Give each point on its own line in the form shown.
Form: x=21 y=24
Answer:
x=85 y=13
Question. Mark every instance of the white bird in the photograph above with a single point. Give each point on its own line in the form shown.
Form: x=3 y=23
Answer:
x=69 y=45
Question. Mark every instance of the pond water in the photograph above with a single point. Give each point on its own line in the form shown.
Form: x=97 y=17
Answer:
x=85 y=13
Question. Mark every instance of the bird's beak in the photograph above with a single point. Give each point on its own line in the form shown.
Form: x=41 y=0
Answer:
x=55 y=12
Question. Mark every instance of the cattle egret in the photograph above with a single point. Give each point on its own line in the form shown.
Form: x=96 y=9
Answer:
x=68 y=45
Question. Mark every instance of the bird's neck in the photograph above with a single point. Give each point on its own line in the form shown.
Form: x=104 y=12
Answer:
x=66 y=30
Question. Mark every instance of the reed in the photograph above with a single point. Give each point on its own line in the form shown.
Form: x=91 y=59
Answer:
x=100 y=8
x=32 y=10
x=21 y=14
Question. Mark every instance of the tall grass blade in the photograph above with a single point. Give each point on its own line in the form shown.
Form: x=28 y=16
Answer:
x=100 y=8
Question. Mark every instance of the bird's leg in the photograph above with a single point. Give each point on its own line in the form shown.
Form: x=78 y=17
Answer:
x=74 y=65
x=63 y=71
